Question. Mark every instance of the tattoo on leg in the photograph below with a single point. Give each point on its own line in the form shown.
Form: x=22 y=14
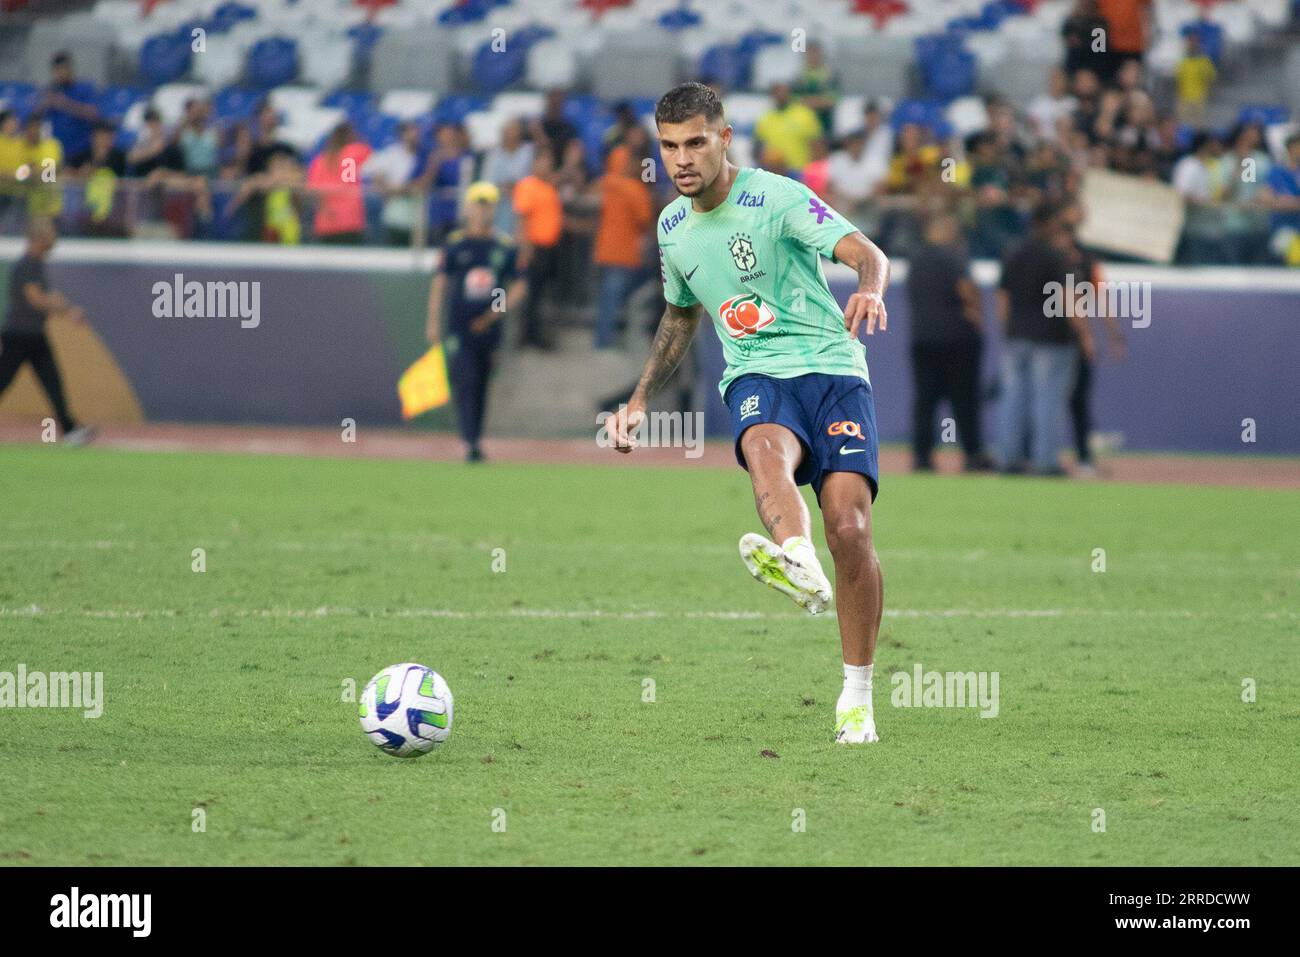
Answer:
x=770 y=522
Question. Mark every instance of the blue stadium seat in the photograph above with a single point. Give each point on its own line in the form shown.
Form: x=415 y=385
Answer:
x=950 y=75
x=471 y=12
x=494 y=71
x=1264 y=114
x=579 y=106
x=680 y=19
x=353 y=102
x=165 y=58
x=236 y=104
x=377 y=129
x=115 y=101
x=19 y=97
x=723 y=64
x=1211 y=36
x=273 y=62
x=227 y=15
x=927 y=113
x=457 y=106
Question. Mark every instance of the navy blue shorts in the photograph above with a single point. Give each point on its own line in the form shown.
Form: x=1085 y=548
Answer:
x=834 y=417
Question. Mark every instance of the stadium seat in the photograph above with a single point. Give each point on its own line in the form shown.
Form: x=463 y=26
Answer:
x=19 y=97
x=288 y=100
x=353 y=102
x=377 y=129
x=723 y=64
x=775 y=64
x=406 y=104
x=524 y=104
x=967 y=115
x=236 y=104
x=222 y=63
x=745 y=109
x=330 y=62
x=484 y=129
x=273 y=62
x=305 y=127
x=1264 y=115
x=551 y=64
x=164 y=58
x=115 y=101
x=1211 y=37
x=454 y=108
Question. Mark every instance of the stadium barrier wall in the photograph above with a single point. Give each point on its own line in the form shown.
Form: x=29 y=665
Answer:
x=337 y=327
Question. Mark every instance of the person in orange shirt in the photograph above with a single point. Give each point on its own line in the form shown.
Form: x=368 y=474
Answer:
x=540 y=222
x=335 y=176
x=625 y=216
x=1127 y=34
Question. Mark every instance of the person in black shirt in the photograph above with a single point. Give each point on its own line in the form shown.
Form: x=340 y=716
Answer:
x=1039 y=352
x=477 y=282
x=1083 y=32
x=1086 y=266
x=31 y=302
x=946 y=342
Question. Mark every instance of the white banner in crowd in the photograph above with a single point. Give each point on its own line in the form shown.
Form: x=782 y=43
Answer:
x=1131 y=215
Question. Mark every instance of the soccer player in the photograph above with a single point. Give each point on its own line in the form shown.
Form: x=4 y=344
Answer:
x=746 y=245
x=476 y=284
x=31 y=302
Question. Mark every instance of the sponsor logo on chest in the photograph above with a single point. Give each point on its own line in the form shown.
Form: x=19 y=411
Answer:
x=744 y=315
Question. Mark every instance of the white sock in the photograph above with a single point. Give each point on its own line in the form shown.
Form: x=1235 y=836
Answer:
x=857 y=688
x=795 y=541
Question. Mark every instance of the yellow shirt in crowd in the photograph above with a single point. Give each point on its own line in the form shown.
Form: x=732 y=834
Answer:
x=789 y=132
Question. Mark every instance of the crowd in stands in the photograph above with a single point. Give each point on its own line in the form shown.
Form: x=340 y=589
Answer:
x=241 y=180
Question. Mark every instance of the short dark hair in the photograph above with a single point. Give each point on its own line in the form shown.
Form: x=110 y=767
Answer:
x=62 y=58
x=689 y=99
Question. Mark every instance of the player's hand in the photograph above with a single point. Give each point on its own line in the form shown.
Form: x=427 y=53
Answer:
x=868 y=306
x=621 y=424
x=482 y=324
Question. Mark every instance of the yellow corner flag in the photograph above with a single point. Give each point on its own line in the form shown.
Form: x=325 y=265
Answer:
x=424 y=386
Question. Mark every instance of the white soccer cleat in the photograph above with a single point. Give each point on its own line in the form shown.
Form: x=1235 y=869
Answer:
x=856 y=726
x=792 y=571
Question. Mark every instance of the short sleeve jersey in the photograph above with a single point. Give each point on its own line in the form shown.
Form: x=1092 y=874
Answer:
x=754 y=263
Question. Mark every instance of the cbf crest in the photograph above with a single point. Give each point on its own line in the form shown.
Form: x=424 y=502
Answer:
x=742 y=252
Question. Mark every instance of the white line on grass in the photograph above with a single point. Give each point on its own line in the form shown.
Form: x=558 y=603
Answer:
x=35 y=611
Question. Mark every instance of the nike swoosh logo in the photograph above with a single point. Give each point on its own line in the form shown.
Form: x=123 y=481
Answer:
x=850 y=451
x=691 y=273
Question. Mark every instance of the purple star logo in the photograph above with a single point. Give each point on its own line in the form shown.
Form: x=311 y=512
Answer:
x=819 y=210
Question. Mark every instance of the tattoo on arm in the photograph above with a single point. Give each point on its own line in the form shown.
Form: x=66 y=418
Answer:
x=676 y=330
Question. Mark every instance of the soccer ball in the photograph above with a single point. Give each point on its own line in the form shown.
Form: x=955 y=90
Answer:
x=406 y=710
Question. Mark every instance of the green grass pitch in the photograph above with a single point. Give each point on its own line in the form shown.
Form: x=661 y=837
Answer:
x=224 y=690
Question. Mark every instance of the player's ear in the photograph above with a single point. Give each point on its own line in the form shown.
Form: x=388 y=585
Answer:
x=725 y=136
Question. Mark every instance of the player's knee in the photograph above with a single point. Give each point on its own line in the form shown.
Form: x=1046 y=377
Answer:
x=848 y=536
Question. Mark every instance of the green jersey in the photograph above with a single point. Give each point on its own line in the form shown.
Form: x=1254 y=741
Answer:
x=754 y=262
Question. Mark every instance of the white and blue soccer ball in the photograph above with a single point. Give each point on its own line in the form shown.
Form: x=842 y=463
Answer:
x=406 y=710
